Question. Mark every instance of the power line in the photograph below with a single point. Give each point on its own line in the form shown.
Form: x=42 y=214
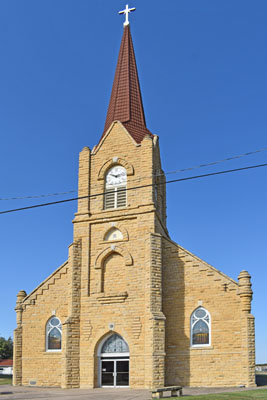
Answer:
x=144 y=177
x=218 y=162
x=38 y=196
x=136 y=187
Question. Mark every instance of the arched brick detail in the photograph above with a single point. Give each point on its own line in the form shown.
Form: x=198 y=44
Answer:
x=120 y=227
x=115 y=161
x=113 y=249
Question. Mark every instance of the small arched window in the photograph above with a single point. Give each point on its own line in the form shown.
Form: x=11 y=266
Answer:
x=115 y=187
x=200 y=327
x=53 y=334
x=113 y=234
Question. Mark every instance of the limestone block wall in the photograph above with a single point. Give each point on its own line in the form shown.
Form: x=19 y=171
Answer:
x=116 y=276
x=118 y=147
x=119 y=295
x=188 y=283
x=142 y=163
x=140 y=285
x=34 y=365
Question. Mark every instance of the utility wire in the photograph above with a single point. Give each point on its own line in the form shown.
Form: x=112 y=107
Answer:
x=144 y=177
x=219 y=161
x=38 y=196
x=136 y=187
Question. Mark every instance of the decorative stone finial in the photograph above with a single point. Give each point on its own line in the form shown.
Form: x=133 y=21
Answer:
x=127 y=12
x=245 y=291
x=21 y=295
x=86 y=148
x=19 y=309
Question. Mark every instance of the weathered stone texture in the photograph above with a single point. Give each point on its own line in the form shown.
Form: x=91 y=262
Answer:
x=142 y=286
x=37 y=364
x=188 y=283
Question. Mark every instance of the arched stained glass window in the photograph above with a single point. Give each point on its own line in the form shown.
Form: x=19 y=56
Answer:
x=53 y=334
x=115 y=344
x=200 y=327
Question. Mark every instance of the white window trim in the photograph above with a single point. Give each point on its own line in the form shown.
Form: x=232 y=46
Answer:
x=114 y=355
x=46 y=336
x=192 y=325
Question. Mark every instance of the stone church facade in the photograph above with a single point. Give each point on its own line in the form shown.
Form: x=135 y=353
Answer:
x=130 y=307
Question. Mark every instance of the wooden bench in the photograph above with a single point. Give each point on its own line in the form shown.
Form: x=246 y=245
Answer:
x=175 y=391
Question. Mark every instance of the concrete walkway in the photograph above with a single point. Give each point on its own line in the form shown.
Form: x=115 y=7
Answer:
x=28 y=393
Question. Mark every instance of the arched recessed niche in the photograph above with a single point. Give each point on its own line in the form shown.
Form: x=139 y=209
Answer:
x=113 y=249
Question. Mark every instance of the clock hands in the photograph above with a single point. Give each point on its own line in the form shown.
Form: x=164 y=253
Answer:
x=116 y=176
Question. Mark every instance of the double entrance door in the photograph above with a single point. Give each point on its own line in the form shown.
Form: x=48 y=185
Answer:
x=115 y=372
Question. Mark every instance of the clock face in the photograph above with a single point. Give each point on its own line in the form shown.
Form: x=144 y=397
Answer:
x=116 y=176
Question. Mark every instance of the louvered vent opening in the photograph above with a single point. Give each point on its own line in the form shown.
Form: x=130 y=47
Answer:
x=110 y=198
x=115 y=197
x=121 y=196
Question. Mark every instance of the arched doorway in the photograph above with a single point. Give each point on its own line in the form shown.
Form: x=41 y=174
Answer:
x=114 y=362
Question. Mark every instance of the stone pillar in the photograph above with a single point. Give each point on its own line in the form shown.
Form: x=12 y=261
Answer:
x=155 y=319
x=245 y=291
x=71 y=327
x=248 y=328
x=17 y=354
x=84 y=181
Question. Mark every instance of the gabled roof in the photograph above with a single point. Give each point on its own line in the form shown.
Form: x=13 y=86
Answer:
x=126 y=103
x=6 y=363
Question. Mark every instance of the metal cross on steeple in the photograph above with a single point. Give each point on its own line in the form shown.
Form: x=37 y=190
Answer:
x=126 y=12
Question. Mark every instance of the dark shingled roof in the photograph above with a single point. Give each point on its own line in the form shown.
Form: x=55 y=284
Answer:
x=126 y=103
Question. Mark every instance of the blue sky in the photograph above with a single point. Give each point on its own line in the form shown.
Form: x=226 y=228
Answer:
x=202 y=68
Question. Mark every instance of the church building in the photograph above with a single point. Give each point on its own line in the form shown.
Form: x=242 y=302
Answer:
x=130 y=307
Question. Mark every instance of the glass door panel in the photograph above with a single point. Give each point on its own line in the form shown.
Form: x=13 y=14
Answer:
x=107 y=371
x=122 y=373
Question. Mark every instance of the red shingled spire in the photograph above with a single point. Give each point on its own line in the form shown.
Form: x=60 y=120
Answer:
x=126 y=103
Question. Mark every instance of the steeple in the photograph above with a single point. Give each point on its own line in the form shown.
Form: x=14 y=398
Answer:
x=126 y=103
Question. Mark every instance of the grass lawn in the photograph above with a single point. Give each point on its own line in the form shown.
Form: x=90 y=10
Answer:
x=5 y=380
x=247 y=395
